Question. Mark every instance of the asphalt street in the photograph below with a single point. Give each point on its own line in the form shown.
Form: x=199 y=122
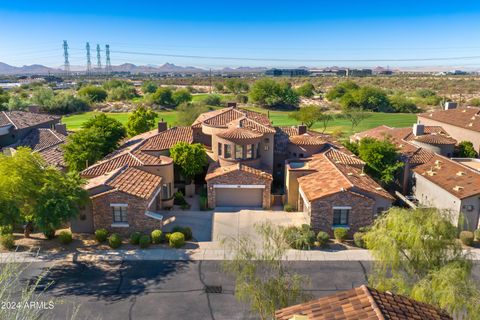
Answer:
x=172 y=289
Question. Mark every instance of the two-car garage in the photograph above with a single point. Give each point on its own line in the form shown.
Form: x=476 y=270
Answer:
x=245 y=196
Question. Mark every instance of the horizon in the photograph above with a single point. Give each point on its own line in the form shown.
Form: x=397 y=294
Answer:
x=214 y=35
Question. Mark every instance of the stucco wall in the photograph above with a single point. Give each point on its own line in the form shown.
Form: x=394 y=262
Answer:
x=267 y=155
x=460 y=134
x=443 y=149
x=167 y=174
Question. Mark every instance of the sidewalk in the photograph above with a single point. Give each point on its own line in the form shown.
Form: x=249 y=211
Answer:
x=190 y=255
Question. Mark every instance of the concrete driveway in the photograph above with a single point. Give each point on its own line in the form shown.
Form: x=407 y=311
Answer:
x=215 y=226
x=234 y=224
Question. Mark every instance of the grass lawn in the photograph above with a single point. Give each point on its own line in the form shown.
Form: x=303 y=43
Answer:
x=74 y=122
x=278 y=118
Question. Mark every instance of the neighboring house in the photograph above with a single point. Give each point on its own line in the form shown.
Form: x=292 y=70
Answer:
x=243 y=148
x=16 y=125
x=447 y=184
x=433 y=178
x=46 y=142
x=363 y=303
x=332 y=189
x=463 y=124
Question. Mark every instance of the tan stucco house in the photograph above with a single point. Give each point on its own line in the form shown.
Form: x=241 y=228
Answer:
x=247 y=156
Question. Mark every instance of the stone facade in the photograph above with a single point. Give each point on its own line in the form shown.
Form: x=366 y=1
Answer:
x=361 y=213
x=240 y=178
x=102 y=213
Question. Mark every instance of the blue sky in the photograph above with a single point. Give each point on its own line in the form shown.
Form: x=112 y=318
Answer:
x=33 y=31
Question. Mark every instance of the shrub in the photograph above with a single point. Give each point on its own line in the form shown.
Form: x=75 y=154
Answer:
x=184 y=206
x=156 y=236
x=213 y=100
x=477 y=234
x=65 y=237
x=176 y=240
x=135 y=238
x=203 y=203
x=467 y=237
x=6 y=230
x=289 y=208
x=101 y=235
x=340 y=234
x=7 y=241
x=300 y=238
x=179 y=199
x=114 y=241
x=359 y=240
x=49 y=233
x=144 y=241
x=167 y=236
x=186 y=231
x=323 y=238
x=241 y=98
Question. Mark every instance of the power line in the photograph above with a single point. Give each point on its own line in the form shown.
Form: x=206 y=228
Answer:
x=296 y=60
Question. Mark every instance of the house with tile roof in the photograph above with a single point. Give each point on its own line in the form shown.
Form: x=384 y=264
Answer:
x=16 y=125
x=246 y=154
x=362 y=303
x=431 y=175
x=44 y=134
x=463 y=124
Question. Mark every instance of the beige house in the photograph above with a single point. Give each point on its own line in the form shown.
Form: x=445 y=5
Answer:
x=463 y=124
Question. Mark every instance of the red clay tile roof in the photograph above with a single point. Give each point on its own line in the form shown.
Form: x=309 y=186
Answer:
x=467 y=118
x=167 y=139
x=23 y=119
x=307 y=140
x=240 y=135
x=223 y=117
x=338 y=156
x=54 y=156
x=40 y=138
x=455 y=178
x=435 y=139
x=333 y=176
x=136 y=182
x=215 y=170
x=255 y=126
x=363 y=303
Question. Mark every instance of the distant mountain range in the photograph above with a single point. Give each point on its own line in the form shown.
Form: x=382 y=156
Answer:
x=6 y=69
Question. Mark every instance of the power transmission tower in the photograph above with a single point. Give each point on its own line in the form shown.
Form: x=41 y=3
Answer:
x=66 y=63
x=108 y=65
x=89 y=61
x=99 y=59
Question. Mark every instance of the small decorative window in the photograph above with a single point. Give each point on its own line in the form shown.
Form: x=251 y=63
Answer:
x=219 y=149
x=238 y=152
x=227 y=151
x=165 y=193
x=119 y=213
x=250 y=151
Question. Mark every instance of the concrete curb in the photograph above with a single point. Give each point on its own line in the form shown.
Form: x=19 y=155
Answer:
x=189 y=255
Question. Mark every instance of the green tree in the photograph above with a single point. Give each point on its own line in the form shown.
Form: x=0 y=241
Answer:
x=141 y=120
x=381 y=158
x=83 y=148
x=341 y=89
x=262 y=279
x=121 y=93
x=93 y=93
x=269 y=93
x=188 y=112
x=163 y=97
x=190 y=158
x=308 y=115
x=465 y=149
x=213 y=100
x=219 y=87
x=306 y=90
x=236 y=86
x=149 y=87
x=67 y=103
x=109 y=128
x=4 y=97
x=17 y=103
x=355 y=116
x=417 y=254
x=181 y=96
x=400 y=103
x=115 y=83
x=371 y=98
x=43 y=97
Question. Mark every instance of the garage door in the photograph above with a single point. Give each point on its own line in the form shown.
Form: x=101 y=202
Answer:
x=238 y=197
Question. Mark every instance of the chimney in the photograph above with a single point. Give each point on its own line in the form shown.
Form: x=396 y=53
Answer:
x=232 y=105
x=302 y=129
x=162 y=126
x=449 y=105
x=418 y=129
x=61 y=128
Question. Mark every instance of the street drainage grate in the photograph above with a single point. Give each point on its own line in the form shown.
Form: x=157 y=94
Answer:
x=213 y=289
